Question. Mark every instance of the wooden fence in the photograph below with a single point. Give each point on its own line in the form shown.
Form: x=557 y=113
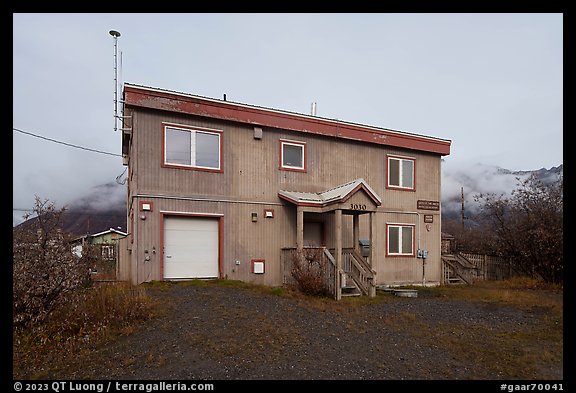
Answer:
x=123 y=260
x=490 y=267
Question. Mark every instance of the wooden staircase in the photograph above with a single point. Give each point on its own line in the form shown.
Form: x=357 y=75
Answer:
x=354 y=278
x=357 y=276
x=458 y=269
x=349 y=286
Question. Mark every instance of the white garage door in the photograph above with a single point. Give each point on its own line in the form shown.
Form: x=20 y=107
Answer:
x=190 y=247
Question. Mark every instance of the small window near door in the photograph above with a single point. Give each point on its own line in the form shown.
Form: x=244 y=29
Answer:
x=292 y=156
x=399 y=240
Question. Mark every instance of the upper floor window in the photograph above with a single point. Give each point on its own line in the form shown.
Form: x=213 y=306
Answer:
x=401 y=172
x=292 y=155
x=194 y=148
x=400 y=239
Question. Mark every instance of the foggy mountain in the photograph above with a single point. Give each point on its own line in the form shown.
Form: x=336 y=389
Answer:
x=104 y=206
x=482 y=178
x=101 y=208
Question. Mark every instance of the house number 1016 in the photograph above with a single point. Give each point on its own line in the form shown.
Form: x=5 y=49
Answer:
x=357 y=206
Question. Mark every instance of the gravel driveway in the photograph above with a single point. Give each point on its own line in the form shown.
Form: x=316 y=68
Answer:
x=217 y=332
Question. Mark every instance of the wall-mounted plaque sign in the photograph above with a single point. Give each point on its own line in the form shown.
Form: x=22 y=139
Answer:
x=427 y=205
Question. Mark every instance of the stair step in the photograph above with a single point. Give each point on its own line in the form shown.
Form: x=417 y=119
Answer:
x=351 y=290
x=351 y=294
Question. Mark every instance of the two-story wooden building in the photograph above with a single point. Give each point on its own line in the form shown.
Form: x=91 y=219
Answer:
x=218 y=189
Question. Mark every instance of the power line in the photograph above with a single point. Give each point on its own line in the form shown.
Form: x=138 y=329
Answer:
x=66 y=144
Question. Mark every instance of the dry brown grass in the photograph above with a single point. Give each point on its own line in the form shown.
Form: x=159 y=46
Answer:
x=508 y=353
x=524 y=293
x=92 y=316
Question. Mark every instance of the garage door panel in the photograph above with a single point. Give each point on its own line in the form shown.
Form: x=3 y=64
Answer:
x=191 y=247
x=191 y=239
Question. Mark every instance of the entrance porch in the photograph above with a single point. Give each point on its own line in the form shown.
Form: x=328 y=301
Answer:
x=344 y=269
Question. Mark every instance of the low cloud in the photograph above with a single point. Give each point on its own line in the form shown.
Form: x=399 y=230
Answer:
x=104 y=197
x=476 y=178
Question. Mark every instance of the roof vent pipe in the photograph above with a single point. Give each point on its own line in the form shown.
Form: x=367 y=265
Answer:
x=313 y=112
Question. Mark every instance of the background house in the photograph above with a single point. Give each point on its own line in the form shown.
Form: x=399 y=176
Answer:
x=104 y=247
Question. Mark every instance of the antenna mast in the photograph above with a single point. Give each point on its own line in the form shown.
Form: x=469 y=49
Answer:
x=115 y=34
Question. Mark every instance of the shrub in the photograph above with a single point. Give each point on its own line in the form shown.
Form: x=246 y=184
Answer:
x=309 y=271
x=529 y=227
x=89 y=316
x=45 y=270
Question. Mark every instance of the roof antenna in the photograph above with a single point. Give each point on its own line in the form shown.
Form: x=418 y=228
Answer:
x=115 y=34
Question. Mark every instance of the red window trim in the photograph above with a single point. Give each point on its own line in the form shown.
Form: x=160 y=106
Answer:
x=392 y=187
x=304 y=158
x=220 y=133
x=413 y=254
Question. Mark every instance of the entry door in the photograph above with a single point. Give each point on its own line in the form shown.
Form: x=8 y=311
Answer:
x=313 y=234
x=190 y=247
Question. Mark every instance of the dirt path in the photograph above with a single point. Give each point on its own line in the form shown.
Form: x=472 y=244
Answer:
x=216 y=332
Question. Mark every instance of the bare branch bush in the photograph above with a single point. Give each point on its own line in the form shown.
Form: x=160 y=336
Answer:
x=528 y=227
x=309 y=271
x=45 y=270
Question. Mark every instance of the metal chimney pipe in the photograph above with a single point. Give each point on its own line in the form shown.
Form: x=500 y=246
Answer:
x=313 y=112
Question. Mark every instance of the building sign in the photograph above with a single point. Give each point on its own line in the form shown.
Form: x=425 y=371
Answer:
x=428 y=218
x=427 y=205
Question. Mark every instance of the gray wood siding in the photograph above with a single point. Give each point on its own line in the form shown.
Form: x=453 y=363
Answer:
x=251 y=174
x=251 y=166
x=243 y=239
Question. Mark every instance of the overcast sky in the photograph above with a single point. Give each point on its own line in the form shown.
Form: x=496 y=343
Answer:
x=491 y=83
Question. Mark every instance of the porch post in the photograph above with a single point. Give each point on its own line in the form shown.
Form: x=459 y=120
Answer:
x=338 y=250
x=356 y=232
x=299 y=228
x=372 y=238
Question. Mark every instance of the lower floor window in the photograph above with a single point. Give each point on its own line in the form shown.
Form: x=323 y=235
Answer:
x=107 y=252
x=400 y=239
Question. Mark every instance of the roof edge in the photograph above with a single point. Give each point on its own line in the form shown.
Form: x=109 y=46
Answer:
x=155 y=98
x=339 y=198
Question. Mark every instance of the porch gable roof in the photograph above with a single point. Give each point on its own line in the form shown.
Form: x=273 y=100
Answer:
x=333 y=195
